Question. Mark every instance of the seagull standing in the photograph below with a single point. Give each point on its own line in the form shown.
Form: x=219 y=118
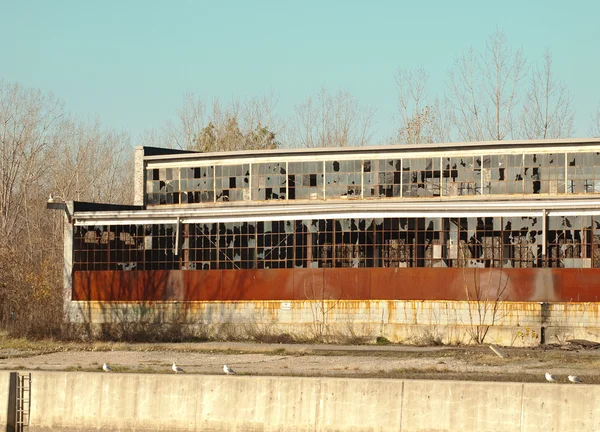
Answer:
x=228 y=370
x=575 y=379
x=106 y=368
x=550 y=377
x=177 y=369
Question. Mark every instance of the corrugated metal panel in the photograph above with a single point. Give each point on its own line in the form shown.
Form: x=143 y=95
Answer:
x=527 y=284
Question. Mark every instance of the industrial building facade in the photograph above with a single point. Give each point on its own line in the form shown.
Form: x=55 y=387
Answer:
x=417 y=222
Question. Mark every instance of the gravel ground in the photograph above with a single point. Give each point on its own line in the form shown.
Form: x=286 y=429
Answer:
x=463 y=363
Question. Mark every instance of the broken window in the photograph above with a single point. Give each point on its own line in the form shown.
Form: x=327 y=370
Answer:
x=421 y=177
x=544 y=173
x=197 y=185
x=305 y=240
x=269 y=181
x=583 y=173
x=343 y=179
x=324 y=244
x=232 y=183
x=569 y=242
x=472 y=242
x=126 y=247
x=369 y=169
x=202 y=242
x=431 y=236
x=88 y=252
x=353 y=243
x=305 y=180
x=237 y=245
x=522 y=242
x=395 y=242
x=162 y=186
x=388 y=178
x=462 y=176
x=513 y=242
x=159 y=244
x=275 y=244
x=153 y=187
x=595 y=255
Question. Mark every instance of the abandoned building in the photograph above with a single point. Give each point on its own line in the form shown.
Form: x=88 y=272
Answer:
x=393 y=238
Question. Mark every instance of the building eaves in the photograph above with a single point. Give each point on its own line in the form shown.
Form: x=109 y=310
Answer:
x=358 y=209
x=404 y=148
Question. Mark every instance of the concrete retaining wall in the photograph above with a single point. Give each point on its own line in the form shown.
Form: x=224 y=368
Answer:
x=4 y=386
x=71 y=401
x=513 y=324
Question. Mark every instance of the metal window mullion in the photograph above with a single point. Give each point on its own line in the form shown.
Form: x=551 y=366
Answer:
x=362 y=179
x=441 y=179
x=523 y=174
x=544 y=235
x=481 y=174
x=287 y=186
x=401 y=178
x=324 y=179
x=249 y=181
x=566 y=173
x=107 y=247
x=214 y=183
x=177 y=237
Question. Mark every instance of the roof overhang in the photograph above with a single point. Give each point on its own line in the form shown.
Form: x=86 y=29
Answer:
x=344 y=209
x=345 y=152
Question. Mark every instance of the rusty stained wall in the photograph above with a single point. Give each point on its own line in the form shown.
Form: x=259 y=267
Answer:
x=524 y=285
x=514 y=324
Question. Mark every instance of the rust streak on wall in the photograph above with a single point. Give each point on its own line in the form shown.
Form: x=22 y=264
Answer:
x=525 y=284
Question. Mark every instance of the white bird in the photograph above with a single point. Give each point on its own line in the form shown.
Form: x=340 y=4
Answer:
x=550 y=377
x=51 y=198
x=106 y=368
x=228 y=370
x=575 y=379
x=177 y=369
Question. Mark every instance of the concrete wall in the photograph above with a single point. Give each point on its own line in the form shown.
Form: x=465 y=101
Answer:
x=95 y=401
x=513 y=324
x=4 y=392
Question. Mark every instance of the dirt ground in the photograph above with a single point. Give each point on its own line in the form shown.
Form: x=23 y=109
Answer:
x=392 y=361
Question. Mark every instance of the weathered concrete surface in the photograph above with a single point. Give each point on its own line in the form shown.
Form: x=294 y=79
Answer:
x=4 y=385
x=407 y=321
x=570 y=408
x=68 y=401
x=461 y=406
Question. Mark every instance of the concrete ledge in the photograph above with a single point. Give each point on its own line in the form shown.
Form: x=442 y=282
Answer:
x=78 y=401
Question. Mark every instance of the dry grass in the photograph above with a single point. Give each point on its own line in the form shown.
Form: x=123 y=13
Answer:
x=455 y=363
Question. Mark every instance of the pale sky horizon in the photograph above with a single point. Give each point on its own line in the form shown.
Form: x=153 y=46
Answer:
x=129 y=64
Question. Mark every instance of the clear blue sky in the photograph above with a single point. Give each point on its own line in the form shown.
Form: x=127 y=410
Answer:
x=129 y=63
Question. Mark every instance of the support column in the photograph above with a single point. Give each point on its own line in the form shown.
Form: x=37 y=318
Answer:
x=139 y=180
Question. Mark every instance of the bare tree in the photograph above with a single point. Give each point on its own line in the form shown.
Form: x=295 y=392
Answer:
x=28 y=122
x=419 y=121
x=595 y=128
x=548 y=110
x=484 y=90
x=332 y=120
x=94 y=163
x=239 y=125
x=43 y=150
x=484 y=301
x=28 y=129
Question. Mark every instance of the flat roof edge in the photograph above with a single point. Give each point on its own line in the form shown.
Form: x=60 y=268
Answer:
x=567 y=142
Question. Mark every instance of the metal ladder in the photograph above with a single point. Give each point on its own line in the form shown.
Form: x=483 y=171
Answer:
x=23 y=405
